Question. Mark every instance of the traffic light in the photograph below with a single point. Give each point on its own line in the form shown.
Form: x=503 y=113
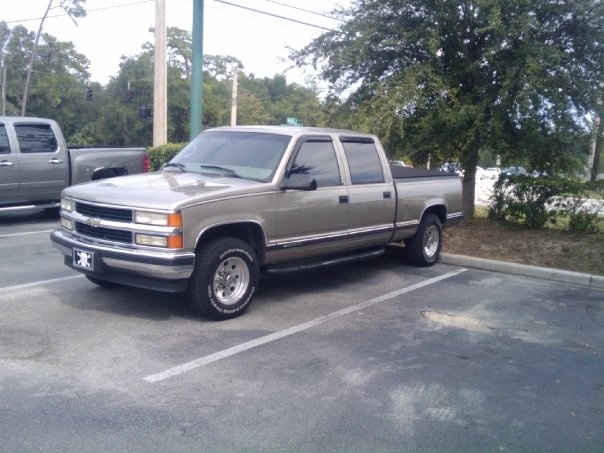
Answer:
x=130 y=95
x=144 y=111
x=88 y=94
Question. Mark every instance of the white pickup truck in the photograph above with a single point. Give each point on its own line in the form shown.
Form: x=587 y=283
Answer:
x=238 y=200
x=36 y=165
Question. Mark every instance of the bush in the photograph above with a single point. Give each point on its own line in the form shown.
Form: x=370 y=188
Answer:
x=596 y=186
x=534 y=202
x=522 y=199
x=159 y=155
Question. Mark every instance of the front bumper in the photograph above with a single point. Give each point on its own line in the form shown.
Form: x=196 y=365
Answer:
x=160 y=271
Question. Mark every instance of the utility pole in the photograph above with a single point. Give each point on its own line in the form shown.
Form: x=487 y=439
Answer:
x=234 y=99
x=160 y=85
x=3 y=85
x=197 y=69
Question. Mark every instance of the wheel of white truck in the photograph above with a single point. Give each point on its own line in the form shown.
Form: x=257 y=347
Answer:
x=224 y=279
x=423 y=249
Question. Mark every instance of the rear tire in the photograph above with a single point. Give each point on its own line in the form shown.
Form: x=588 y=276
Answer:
x=224 y=279
x=423 y=249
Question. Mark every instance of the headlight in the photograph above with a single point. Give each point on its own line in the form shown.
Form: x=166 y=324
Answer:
x=158 y=219
x=67 y=224
x=67 y=205
x=171 y=242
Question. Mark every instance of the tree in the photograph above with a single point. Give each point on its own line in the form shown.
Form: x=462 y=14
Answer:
x=448 y=77
x=74 y=9
x=4 y=35
x=56 y=88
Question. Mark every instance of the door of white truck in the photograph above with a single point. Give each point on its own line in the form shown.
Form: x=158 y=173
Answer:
x=43 y=162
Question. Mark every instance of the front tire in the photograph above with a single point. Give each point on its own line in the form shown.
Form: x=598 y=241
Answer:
x=224 y=279
x=423 y=249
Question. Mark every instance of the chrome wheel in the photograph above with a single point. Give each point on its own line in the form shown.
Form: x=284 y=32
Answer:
x=431 y=240
x=423 y=248
x=231 y=280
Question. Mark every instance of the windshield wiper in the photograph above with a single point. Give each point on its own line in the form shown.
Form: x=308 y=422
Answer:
x=224 y=170
x=181 y=167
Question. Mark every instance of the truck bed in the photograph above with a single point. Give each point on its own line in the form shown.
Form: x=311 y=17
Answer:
x=400 y=172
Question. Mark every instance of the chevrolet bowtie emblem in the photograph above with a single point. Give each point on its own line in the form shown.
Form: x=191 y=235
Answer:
x=93 y=222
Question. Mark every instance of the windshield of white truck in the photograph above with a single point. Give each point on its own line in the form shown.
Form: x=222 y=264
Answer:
x=239 y=154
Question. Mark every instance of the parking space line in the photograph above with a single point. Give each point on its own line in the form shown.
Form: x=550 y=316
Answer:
x=27 y=233
x=157 y=377
x=38 y=283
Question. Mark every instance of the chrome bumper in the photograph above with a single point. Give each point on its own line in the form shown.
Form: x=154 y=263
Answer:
x=127 y=266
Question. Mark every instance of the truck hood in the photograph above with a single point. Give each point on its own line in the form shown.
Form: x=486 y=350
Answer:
x=163 y=190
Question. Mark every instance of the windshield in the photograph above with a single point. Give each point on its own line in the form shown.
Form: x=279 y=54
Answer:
x=249 y=155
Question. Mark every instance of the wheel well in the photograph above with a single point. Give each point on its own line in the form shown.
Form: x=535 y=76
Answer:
x=108 y=172
x=248 y=232
x=439 y=211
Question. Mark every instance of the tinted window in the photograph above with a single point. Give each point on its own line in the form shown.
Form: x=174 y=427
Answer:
x=4 y=146
x=36 y=138
x=318 y=159
x=363 y=161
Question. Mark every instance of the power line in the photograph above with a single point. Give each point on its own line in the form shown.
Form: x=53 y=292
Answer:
x=273 y=15
x=88 y=11
x=218 y=1
x=304 y=10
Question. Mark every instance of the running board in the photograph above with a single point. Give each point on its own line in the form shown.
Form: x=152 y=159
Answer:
x=330 y=261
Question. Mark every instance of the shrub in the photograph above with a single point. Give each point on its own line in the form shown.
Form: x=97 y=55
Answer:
x=596 y=186
x=536 y=201
x=159 y=155
x=522 y=199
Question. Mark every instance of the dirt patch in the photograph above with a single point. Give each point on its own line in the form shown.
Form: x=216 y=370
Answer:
x=557 y=249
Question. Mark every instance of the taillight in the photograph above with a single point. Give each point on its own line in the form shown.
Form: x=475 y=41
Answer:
x=146 y=165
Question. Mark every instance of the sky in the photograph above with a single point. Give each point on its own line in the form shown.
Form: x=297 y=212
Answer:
x=116 y=28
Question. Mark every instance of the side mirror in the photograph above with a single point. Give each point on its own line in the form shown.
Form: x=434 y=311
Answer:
x=297 y=181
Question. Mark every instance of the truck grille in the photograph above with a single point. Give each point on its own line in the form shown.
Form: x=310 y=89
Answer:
x=103 y=212
x=106 y=234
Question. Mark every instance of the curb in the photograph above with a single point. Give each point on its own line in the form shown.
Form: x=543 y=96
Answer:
x=576 y=278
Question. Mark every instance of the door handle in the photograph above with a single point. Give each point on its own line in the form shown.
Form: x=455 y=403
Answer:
x=55 y=161
x=343 y=199
x=387 y=195
x=6 y=163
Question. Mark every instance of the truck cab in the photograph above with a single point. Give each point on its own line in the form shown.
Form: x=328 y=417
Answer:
x=34 y=164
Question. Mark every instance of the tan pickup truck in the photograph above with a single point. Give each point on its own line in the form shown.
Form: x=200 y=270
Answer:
x=240 y=200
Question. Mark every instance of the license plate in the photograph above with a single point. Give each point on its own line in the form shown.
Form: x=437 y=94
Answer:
x=83 y=260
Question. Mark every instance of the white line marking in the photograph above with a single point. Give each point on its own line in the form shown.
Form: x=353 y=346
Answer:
x=292 y=330
x=41 y=282
x=24 y=234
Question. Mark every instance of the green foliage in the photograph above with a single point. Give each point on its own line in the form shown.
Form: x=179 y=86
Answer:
x=583 y=222
x=160 y=155
x=535 y=202
x=521 y=199
x=60 y=82
x=597 y=187
x=444 y=78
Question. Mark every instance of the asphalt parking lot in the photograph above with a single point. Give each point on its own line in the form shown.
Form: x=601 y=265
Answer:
x=374 y=356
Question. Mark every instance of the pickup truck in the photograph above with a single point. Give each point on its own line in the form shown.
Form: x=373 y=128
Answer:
x=36 y=165
x=240 y=200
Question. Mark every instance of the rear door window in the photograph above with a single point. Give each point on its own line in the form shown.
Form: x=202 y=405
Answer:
x=4 y=145
x=363 y=161
x=36 y=138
